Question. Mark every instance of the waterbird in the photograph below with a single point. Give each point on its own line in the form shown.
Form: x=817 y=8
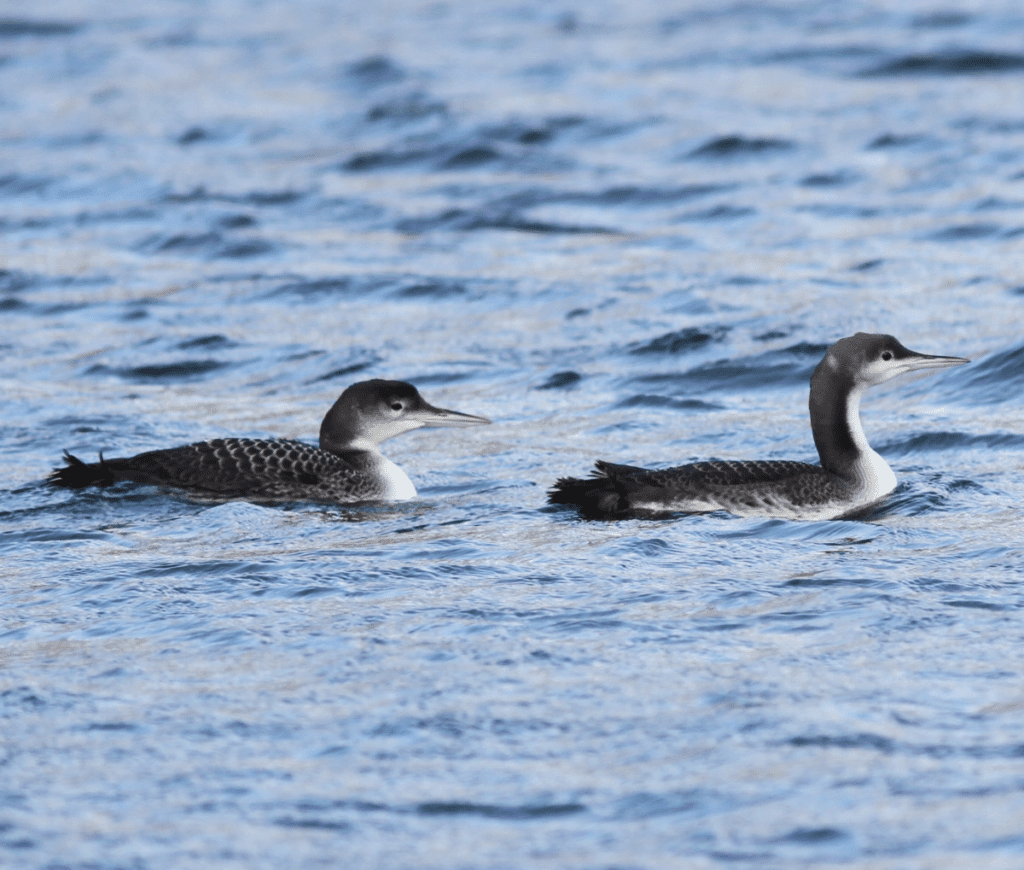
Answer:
x=850 y=477
x=347 y=467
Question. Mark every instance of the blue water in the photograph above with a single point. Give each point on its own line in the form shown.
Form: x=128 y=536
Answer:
x=621 y=231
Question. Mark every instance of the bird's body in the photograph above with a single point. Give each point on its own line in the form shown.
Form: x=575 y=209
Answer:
x=347 y=467
x=850 y=477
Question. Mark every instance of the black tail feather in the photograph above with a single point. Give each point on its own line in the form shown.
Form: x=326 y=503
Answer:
x=597 y=498
x=77 y=474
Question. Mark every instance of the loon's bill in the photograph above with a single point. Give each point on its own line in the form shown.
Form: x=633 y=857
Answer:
x=347 y=467
x=850 y=477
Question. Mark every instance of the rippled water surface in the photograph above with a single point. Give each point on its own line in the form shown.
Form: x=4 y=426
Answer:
x=621 y=231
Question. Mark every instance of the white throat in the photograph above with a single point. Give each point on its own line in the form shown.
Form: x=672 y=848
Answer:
x=873 y=472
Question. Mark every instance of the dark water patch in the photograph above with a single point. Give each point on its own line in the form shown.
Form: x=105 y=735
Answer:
x=814 y=53
x=343 y=286
x=236 y=221
x=12 y=28
x=270 y=197
x=630 y=195
x=830 y=582
x=507 y=212
x=512 y=146
x=186 y=370
x=259 y=198
x=393 y=286
x=740 y=146
x=211 y=245
x=32 y=537
x=208 y=341
x=891 y=140
x=941 y=20
x=441 y=377
x=773 y=369
x=374 y=72
x=774 y=334
x=312 y=824
x=812 y=836
x=369 y=161
x=463 y=220
x=695 y=803
x=20 y=698
x=493 y=811
x=128 y=215
x=346 y=370
x=937 y=441
x=647 y=400
x=450 y=157
x=18 y=185
x=886 y=746
x=838 y=210
x=184 y=242
x=30 y=223
x=974 y=604
x=470 y=158
x=410 y=107
x=444 y=724
x=561 y=381
x=954 y=62
x=748 y=858
x=997 y=203
x=717 y=213
x=196 y=194
x=110 y=726
x=681 y=341
x=829 y=179
x=873 y=742
x=532 y=133
x=866 y=266
x=965 y=232
x=244 y=248
x=989 y=125
x=431 y=290
x=193 y=135
x=11 y=281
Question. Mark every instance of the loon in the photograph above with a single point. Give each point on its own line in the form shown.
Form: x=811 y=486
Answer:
x=347 y=467
x=850 y=477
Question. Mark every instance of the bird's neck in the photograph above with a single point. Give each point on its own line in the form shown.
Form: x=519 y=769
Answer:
x=842 y=446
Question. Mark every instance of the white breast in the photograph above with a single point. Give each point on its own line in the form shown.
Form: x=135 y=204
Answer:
x=397 y=485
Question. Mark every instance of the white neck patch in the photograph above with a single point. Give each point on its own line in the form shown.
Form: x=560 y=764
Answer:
x=873 y=472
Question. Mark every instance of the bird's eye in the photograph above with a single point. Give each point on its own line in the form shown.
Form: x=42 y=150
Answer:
x=887 y=355
x=396 y=406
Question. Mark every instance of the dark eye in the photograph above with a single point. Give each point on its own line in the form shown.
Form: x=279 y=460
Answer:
x=396 y=406
x=887 y=355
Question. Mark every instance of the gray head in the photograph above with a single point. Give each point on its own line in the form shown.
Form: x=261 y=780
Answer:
x=370 y=412
x=850 y=366
x=864 y=360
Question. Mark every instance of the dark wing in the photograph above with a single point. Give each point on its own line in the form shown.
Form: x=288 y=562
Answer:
x=615 y=490
x=716 y=473
x=232 y=466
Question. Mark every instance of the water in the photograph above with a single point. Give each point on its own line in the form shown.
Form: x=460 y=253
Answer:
x=621 y=231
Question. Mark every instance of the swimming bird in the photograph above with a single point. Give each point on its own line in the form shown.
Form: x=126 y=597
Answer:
x=347 y=466
x=850 y=477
